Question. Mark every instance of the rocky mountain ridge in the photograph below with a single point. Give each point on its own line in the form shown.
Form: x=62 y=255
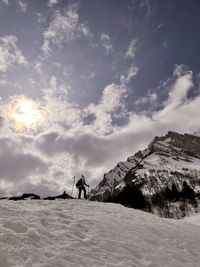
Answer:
x=163 y=179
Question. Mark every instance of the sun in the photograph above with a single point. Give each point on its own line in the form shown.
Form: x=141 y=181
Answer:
x=25 y=113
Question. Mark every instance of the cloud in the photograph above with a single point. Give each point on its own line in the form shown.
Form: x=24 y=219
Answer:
x=8 y=87
x=84 y=29
x=177 y=101
x=10 y=54
x=88 y=76
x=132 y=72
x=1 y=121
x=64 y=27
x=94 y=154
x=38 y=67
x=40 y=18
x=61 y=29
x=51 y=3
x=146 y=5
x=110 y=105
x=130 y=53
x=159 y=26
x=16 y=165
x=179 y=91
x=179 y=70
x=22 y=5
x=8 y=83
x=59 y=110
x=6 y=2
x=150 y=99
x=106 y=42
x=21 y=167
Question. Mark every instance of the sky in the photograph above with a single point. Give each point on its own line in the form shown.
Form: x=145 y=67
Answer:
x=85 y=84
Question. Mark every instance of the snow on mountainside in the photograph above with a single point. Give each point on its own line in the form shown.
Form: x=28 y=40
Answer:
x=79 y=233
x=197 y=133
x=163 y=179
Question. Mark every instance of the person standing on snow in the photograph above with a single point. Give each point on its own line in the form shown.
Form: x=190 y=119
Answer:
x=81 y=186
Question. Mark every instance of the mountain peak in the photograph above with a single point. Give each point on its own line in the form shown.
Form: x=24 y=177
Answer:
x=171 y=163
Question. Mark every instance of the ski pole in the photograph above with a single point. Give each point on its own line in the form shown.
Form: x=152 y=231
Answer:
x=73 y=186
x=88 y=193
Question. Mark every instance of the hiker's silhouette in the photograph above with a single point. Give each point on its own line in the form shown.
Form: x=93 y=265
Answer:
x=81 y=187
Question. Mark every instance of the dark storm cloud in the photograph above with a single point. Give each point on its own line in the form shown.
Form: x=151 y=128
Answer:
x=16 y=166
x=94 y=151
x=50 y=144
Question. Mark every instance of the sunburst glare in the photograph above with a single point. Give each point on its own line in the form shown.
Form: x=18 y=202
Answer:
x=26 y=113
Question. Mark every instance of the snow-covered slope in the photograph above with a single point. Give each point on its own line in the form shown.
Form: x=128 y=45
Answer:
x=195 y=219
x=78 y=233
x=163 y=179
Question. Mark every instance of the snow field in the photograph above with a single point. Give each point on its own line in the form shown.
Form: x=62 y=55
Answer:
x=83 y=233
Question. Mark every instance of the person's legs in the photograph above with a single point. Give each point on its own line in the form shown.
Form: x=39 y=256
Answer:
x=84 y=190
x=79 y=195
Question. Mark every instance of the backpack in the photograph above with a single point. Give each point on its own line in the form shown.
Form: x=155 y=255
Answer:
x=79 y=183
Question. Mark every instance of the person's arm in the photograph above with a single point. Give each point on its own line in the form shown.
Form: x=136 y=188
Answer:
x=85 y=183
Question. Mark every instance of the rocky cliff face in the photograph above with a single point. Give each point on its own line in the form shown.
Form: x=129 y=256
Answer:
x=163 y=179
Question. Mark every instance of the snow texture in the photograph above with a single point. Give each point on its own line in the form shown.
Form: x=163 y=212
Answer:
x=83 y=233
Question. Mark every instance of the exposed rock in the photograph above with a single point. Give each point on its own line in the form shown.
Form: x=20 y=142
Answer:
x=25 y=196
x=63 y=196
x=33 y=196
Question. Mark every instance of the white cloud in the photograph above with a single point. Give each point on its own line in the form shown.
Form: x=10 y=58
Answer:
x=130 y=53
x=22 y=5
x=3 y=82
x=132 y=72
x=6 y=2
x=111 y=103
x=84 y=29
x=159 y=26
x=38 y=67
x=64 y=27
x=59 y=111
x=150 y=98
x=106 y=42
x=40 y=18
x=146 y=5
x=10 y=55
x=88 y=76
x=52 y=2
x=61 y=29
x=179 y=70
x=177 y=98
x=112 y=97
x=8 y=83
